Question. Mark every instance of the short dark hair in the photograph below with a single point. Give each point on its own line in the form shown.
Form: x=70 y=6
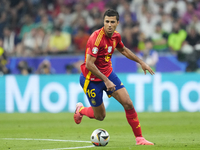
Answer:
x=110 y=13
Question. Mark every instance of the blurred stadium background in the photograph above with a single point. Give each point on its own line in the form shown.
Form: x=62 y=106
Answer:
x=42 y=44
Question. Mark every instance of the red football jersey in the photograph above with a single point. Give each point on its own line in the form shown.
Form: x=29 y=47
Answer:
x=101 y=46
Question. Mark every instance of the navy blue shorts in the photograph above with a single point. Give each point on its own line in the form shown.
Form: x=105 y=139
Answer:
x=94 y=89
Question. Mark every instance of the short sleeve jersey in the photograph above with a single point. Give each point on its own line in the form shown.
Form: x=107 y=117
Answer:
x=101 y=46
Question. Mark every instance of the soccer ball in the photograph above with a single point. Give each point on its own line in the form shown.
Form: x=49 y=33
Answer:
x=100 y=137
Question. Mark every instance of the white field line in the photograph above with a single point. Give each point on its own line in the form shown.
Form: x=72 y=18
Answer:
x=71 y=148
x=55 y=140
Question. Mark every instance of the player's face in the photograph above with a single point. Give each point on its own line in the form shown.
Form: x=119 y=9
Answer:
x=110 y=24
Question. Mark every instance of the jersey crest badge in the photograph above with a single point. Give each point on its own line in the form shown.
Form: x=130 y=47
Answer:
x=94 y=50
x=109 y=49
x=106 y=47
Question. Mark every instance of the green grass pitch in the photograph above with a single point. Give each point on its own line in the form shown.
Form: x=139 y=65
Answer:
x=169 y=131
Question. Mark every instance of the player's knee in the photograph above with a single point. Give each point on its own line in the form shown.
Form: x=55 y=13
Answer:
x=100 y=117
x=128 y=105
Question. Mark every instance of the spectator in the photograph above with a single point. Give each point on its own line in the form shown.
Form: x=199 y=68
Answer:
x=3 y=60
x=78 y=13
x=161 y=9
x=189 y=55
x=41 y=41
x=147 y=24
x=23 y=68
x=187 y=17
x=176 y=38
x=166 y=23
x=33 y=5
x=10 y=41
x=28 y=46
x=196 y=4
x=18 y=6
x=127 y=38
x=80 y=40
x=74 y=67
x=127 y=20
x=125 y=9
x=96 y=3
x=141 y=42
x=123 y=6
x=178 y=5
x=141 y=7
x=195 y=23
x=3 y=23
x=95 y=12
x=34 y=43
x=55 y=7
x=81 y=23
x=197 y=51
x=14 y=19
x=113 y=4
x=174 y=13
x=64 y=19
x=59 y=42
x=70 y=3
x=181 y=23
x=45 y=68
x=149 y=56
x=27 y=26
x=4 y=7
x=45 y=24
x=40 y=13
x=159 y=39
x=135 y=37
x=97 y=23
x=192 y=37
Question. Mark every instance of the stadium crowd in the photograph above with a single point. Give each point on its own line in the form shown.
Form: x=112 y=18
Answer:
x=150 y=28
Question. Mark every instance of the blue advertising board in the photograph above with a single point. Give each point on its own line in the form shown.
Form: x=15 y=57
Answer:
x=120 y=64
x=60 y=93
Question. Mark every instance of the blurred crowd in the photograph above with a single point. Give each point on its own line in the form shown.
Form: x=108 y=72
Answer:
x=150 y=28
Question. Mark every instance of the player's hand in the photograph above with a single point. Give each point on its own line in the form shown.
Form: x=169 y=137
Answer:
x=110 y=85
x=146 y=67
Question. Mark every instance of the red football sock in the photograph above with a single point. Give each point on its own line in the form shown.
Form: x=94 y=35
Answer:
x=132 y=119
x=87 y=111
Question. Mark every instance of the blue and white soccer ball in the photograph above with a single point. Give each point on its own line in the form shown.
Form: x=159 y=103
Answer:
x=100 y=137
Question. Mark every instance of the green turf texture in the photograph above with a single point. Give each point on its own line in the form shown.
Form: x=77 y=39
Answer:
x=169 y=131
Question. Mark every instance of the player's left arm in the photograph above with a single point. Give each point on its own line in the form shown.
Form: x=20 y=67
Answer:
x=130 y=55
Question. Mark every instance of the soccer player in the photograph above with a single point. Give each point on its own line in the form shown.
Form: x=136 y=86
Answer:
x=98 y=76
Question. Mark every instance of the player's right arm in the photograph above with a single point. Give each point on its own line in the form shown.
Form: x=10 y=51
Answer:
x=95 y=71
x=130 y=55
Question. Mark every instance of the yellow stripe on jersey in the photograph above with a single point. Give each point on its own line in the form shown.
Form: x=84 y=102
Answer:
x=87 y=81
x=114 y=44
x=116 y=32
x=99 y=37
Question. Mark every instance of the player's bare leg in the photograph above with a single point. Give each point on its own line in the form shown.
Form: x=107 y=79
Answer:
x=98 y=112
x=122 y=97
